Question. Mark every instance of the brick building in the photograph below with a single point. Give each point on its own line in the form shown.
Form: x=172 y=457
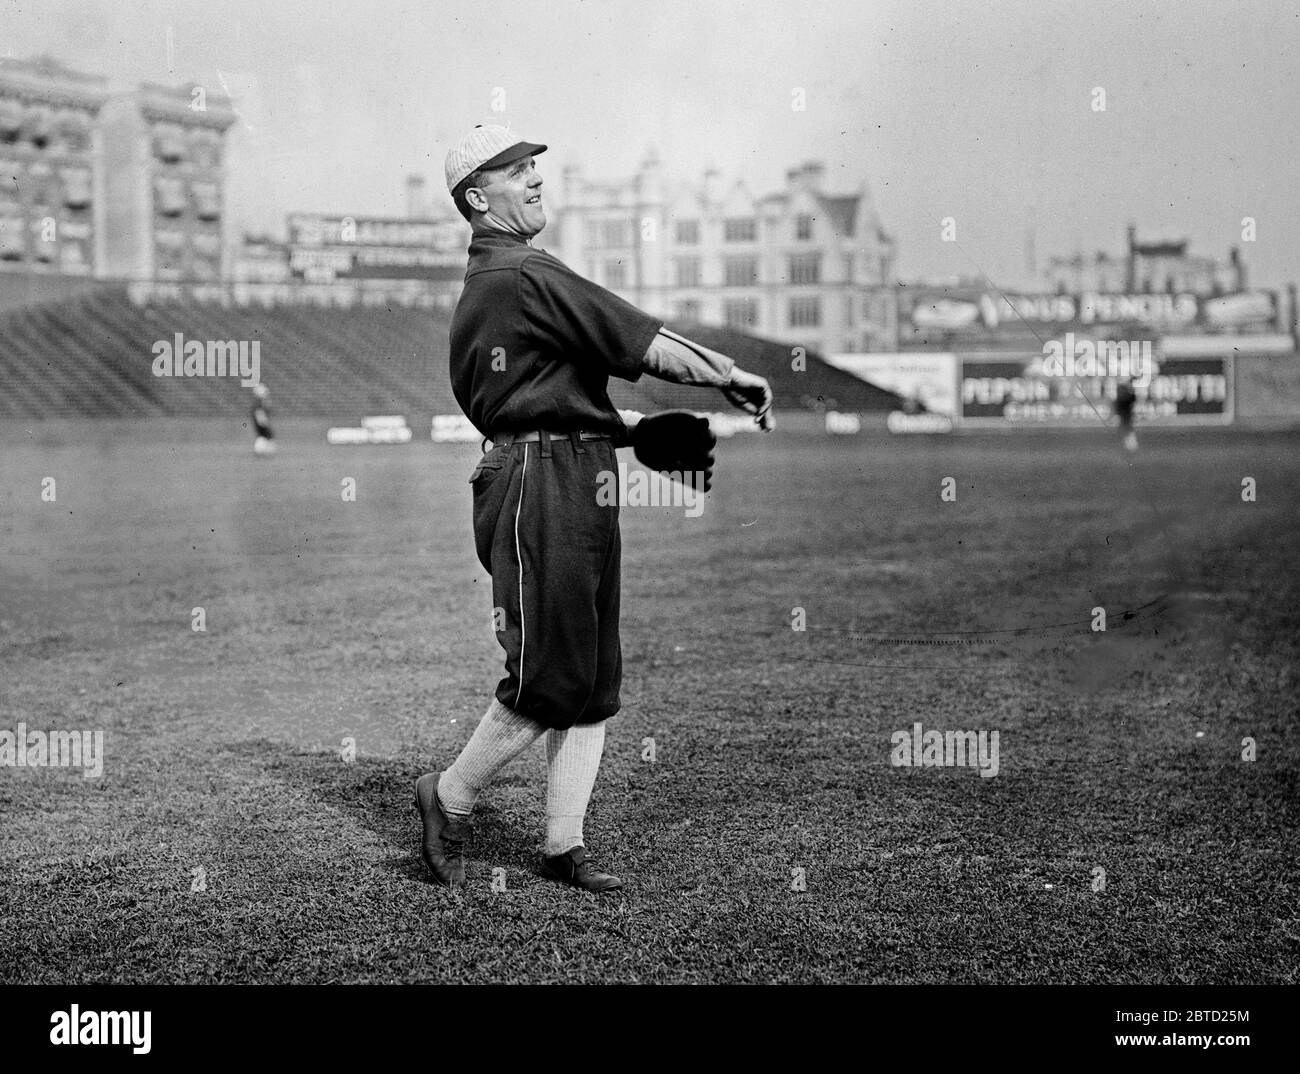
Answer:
x=802 y=265
x=164 y=184
x=51 y=205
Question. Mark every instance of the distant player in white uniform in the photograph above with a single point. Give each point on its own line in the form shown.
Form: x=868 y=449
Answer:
x=264 y=443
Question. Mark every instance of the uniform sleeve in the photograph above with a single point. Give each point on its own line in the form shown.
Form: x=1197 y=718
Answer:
x=672 y=357
x=582 y=321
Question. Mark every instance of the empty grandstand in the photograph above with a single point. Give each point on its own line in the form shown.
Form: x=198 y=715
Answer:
x=92 y=356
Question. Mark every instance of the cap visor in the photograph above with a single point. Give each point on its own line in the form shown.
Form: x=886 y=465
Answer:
x=509 y=156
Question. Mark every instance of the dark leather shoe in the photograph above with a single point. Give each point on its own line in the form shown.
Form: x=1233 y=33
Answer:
x=576 y=868
x=443 y=845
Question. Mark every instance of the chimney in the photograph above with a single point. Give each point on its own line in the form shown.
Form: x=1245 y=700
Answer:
x=1130 y=264
x=1031 y=247
x=570 y=181
x=416 y=209
x=807 y=176
x=712 y=185
x=648 y=185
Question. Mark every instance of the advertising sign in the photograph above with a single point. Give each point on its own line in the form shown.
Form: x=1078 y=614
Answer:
x=970 y=315
x=325 y=248
x=1036 y=390
x=926 y=382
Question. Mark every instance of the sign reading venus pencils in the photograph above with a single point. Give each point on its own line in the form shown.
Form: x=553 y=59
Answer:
x=1068 y=388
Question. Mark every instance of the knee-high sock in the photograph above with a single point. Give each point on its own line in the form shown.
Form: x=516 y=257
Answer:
x=501 y=736
x=572 y=760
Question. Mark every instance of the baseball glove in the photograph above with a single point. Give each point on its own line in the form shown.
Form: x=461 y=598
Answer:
x=677 y=442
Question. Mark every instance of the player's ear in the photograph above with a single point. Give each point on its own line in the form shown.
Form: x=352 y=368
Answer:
x=476 y=199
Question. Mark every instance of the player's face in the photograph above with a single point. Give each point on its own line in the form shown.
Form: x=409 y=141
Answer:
x=514 y=196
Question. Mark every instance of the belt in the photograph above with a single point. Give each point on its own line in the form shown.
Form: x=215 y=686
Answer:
x=535 y=435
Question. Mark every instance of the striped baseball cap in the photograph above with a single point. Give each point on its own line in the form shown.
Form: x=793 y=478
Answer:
x=485 y=147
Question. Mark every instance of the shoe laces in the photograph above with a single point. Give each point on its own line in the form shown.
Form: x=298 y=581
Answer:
x=452 y=846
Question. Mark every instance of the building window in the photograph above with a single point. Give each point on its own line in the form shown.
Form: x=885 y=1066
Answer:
x=76 y=139
x=168 y=145
x=76 y=189
x=607 y=234
x=688 y=310
x=207 y=200
x=11 y=120
x=740 y=271
x=207 y=243
x=805 y=312
x=44 y=191
x=740 y=312
x=170 y=196
x=740 y=229
x=803 y=227
x=688 y=272
x=11 y=237
x=615 y=274
x=688 y=232
x=173 y=241
x=45 y=249
x=39 y=127
x=205 y=148
x=203 y=270
x=805 y=268
x=72 y=258
x=617 y=233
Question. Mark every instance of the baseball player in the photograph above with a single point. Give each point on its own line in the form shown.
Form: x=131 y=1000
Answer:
x=533 y=345
x=1125 y=399
x=264 y=440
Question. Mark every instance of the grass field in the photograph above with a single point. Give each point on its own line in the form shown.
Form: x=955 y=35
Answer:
x=1119 y=750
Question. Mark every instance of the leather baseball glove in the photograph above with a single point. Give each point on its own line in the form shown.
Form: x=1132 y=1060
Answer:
x=678 y=442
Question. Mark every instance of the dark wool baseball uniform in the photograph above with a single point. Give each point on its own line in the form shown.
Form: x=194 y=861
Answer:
x=1125 y=399
x=533 y=345
x=261 y=421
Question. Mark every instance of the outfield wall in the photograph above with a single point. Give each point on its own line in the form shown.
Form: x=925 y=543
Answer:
x=1180 y=382
x=1267 y=388
x=19 y=290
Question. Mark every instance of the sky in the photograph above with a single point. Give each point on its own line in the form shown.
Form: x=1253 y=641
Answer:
x=982 y=112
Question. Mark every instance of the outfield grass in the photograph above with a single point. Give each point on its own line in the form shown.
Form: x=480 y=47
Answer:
x=371 y=620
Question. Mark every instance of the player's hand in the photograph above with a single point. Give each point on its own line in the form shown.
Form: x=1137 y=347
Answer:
x=753 y=395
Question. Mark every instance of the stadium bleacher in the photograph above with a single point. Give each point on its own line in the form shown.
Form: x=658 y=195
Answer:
x=92 y=356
